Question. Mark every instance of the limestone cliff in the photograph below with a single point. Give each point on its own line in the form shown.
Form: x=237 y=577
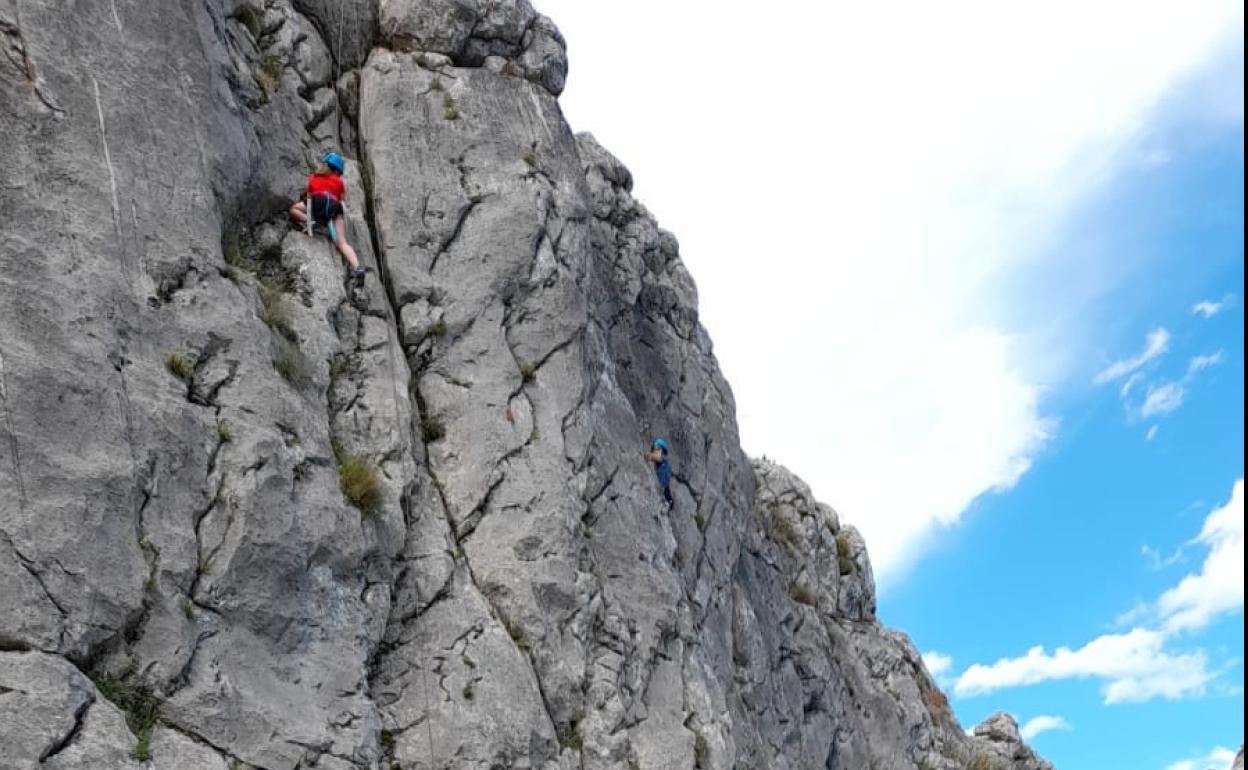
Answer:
x=253 y=518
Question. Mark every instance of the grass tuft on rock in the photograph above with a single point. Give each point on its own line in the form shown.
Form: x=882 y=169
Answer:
x=253 y=19
x=804 y=594
x=845 y=561
x=517 y=635
x=360 y=481
x=980 y=762
x=273 y=309
x=232 y=249
x=937 y=700
x=431 y=428
x=784 y=530
x=269 y=73
x=292 y=367
x=141 y=708
x=570 y=737
x=179 y=367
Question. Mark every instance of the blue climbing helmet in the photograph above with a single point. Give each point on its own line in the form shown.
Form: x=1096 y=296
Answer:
x=660 y=444
x=335 y=161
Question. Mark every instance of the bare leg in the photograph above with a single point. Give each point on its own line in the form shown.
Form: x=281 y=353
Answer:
x=298 y=212
x=344 y=248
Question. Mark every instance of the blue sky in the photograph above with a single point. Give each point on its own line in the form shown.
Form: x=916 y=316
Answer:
x=1057 y=560
x=950 y=256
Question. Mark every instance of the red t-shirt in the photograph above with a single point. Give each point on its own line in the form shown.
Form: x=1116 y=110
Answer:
x=330 y=185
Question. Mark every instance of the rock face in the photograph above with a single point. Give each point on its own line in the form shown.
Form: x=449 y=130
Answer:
x=253 y=518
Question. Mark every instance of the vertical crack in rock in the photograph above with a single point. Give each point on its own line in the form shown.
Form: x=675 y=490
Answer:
x=11 y=432
x=80 y=715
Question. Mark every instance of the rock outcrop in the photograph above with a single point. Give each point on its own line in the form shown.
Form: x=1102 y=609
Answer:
x=251 y=517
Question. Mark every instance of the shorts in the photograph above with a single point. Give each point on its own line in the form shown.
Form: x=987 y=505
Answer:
x=325 y=209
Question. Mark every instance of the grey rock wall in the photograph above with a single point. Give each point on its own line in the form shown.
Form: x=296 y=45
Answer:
x=183 y=376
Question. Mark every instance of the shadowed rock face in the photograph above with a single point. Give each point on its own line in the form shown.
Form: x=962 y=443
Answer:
x=182 y=376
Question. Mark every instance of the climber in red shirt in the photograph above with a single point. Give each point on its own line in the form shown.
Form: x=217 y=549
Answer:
x=326 y=192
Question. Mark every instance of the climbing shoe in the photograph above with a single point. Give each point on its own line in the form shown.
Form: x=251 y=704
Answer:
x=357 y=276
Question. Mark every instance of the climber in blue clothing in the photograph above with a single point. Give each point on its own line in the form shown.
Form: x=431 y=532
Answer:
x=662 y=468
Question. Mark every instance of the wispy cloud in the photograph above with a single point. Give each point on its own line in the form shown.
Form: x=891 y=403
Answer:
x=1155 y=558
x=1157 y=343
x=1130 y=383
x=1133 y=667
x=1218 y=588
x=1163 y=399
x=1204 y=362
x=1220 y=758
x=1137 y=665
x=1043 y=724
x=1160 y=398
x=1131 y=617
x=1152 y=433
x=1210 y=308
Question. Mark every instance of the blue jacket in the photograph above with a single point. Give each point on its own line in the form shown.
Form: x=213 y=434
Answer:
x=664 y=471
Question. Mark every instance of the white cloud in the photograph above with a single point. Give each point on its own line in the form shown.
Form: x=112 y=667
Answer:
x=1204 y=362
x=1159 y=399
x=1133 y=667
x=1157 y=562
x=1134 y=615
x=1163 y=399
x=1042 y=724
x=1219 y=586
x=1210 y=308
x=884 y=205
x=1136 y=665
x=1152 y=433
x=1157 y=343
x=1220 y=758
x=938 y=664
x=1130 y=383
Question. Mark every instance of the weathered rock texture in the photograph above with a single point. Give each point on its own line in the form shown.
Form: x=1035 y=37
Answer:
x=182 y=376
